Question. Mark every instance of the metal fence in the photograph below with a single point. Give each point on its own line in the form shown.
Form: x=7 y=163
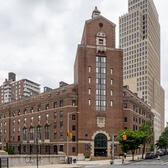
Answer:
x=4 y=162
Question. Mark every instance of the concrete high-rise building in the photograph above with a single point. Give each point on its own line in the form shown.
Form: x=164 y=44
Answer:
x=139 y=37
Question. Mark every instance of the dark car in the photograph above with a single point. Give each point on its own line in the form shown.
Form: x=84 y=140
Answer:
x=150 y=155
x=159 y=153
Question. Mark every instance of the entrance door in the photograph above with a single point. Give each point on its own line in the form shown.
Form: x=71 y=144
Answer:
x=100 y=145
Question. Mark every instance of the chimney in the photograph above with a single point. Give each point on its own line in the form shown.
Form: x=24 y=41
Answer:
x=11 y=76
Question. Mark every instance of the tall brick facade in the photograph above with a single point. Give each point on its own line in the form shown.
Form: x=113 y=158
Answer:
x=98 y=42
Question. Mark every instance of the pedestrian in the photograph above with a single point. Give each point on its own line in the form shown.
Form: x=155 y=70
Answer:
x=123 y=159
x=125 y=155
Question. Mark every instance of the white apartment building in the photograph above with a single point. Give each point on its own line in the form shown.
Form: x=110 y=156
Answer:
x=139 y=37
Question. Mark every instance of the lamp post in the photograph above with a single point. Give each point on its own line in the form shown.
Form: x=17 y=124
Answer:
x=69 y=113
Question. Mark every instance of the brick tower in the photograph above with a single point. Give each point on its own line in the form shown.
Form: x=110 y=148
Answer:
x=99 y=78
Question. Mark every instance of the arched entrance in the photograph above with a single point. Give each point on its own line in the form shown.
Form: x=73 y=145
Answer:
x=100 y=145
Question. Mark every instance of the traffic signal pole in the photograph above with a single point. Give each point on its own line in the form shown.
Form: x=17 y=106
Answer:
x=112 y=155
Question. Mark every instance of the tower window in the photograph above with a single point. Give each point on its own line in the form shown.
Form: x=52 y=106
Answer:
x=111 y=103
x=89 y=101
x=111 y=93
x=89 y=91
x=100 y=41
x=89 y=69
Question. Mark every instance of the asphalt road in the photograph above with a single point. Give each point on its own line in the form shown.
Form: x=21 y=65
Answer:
x=154 y=163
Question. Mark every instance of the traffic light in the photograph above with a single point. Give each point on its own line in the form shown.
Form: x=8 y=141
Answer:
x=124 y=137
x=69 y=135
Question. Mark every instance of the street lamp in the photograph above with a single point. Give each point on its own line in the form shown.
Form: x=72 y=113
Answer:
x=69 y=113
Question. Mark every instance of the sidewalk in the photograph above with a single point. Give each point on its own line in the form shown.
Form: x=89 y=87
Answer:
x=81 y=164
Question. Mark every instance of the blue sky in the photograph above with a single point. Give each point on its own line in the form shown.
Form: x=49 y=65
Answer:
x=38 y=38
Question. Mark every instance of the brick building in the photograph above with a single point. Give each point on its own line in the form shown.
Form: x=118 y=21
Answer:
x=42 y=116
x=136 y=111
x=88 y=111
x=12 y=90
x=99 y=76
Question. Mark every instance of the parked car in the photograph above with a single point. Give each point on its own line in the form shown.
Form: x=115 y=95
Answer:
x=150 y=155
x=159 y=152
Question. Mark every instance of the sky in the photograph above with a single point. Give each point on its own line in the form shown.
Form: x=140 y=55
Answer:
x=39 y=38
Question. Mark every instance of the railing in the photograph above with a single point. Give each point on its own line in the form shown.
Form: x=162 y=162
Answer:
x=4 y=162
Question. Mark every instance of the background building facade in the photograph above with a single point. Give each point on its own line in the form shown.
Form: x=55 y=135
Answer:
x=13 y=90
x=136 y=111
x=139 y=35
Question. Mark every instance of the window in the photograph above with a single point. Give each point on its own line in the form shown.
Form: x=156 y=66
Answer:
x=61 y=103
x=61 y=148
x=100 y=41
x=39 y=118
x=18 y=112
x=89 y=69
x=47 y=106
x=111 y=103
x=73 y=117
x=73 y=102
x=89 y=102
x=61 y=115
x=111 y=93
x=31 y=120
x=39 y=132
x=111 y=71
x=73 y=138
x=125 y=119
x=47 y=117
x=61 y=124
x=73 y=127
x=55 y=125
x=125 y=105
x=89 y=91
x=55 y=115
x=89 y=80
x=25 y=111
x=38 y=108
x=47 y=132
x=25 y=134
x=31 y=109
x=31 y=134
x=100 y=83
x=73 y=149
x=25 y=120
x=111 y=82
x=55 y=104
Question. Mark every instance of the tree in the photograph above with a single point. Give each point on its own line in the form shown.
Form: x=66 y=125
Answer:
x=134 y=139
x=147 y=130
x=163 y=140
